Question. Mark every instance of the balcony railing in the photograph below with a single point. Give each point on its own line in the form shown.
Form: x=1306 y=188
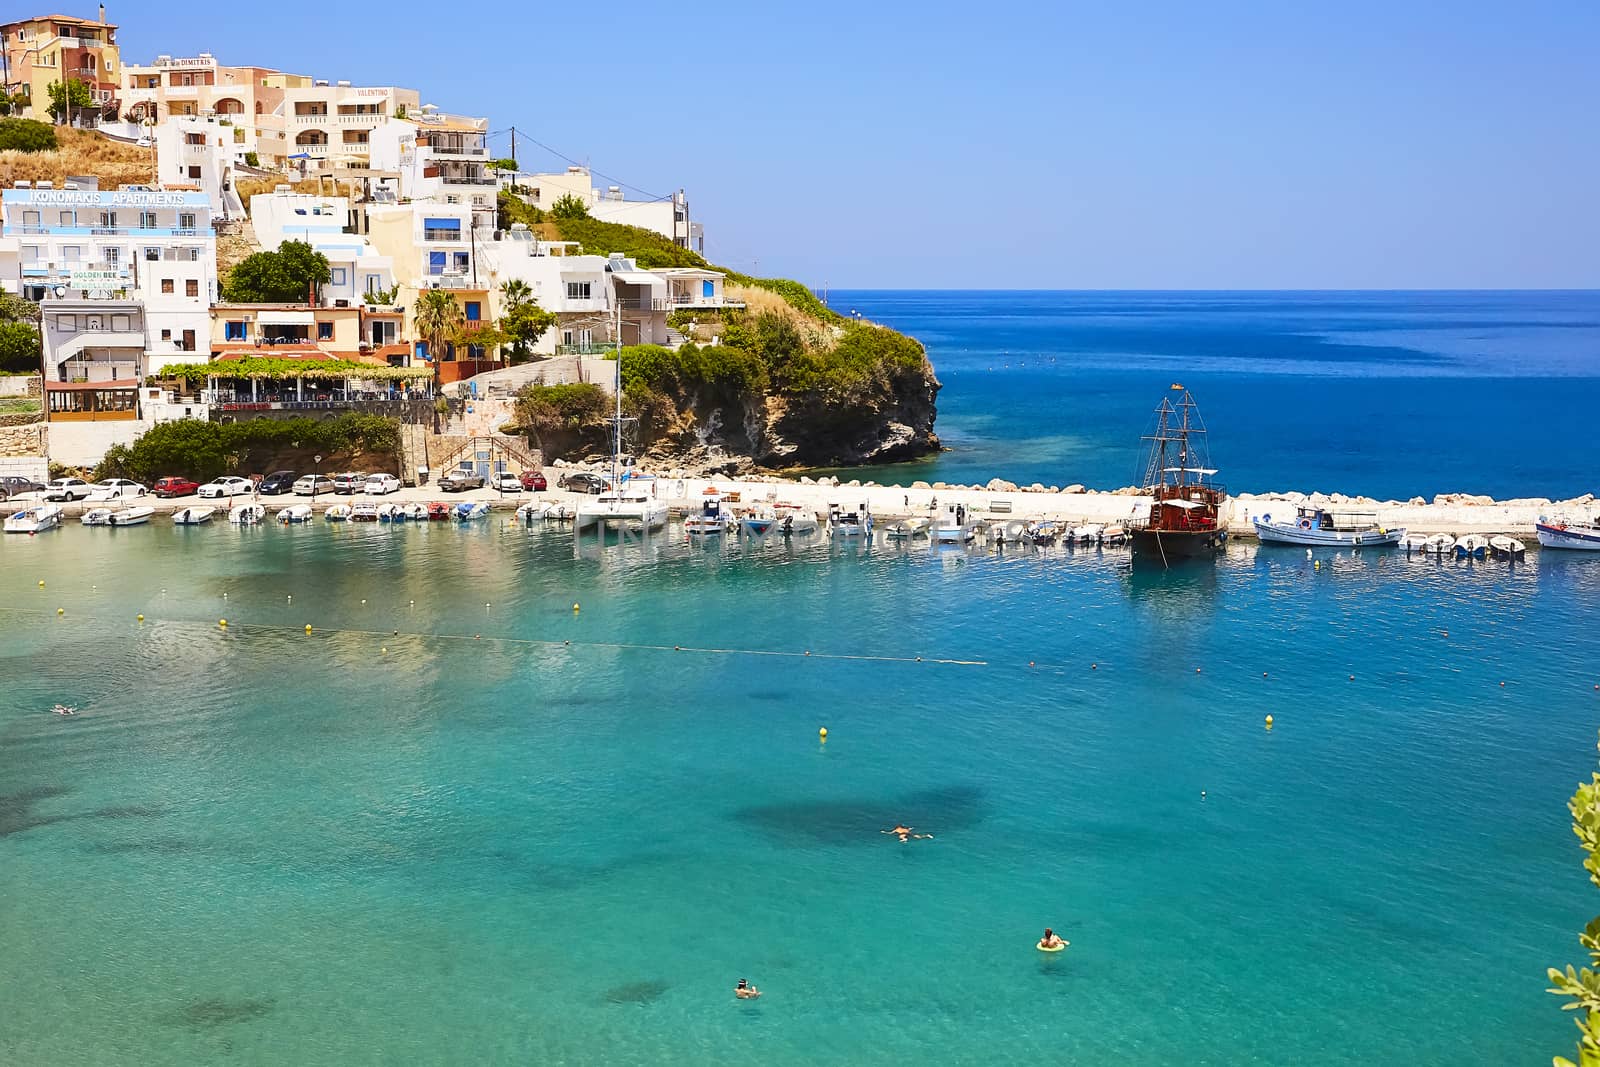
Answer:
x=591 y=349
x=657 y=303
x=451 y=151
x=442 y=235
x=302 y=118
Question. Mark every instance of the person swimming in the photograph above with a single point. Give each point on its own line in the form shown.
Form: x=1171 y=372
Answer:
x=1050 y=940
x=904 y=833
x=745 y=991
x=62 y=709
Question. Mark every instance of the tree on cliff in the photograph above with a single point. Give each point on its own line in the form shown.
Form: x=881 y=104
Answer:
x=1584 y=986
x=569 y=207
x=26 y=135
x=288 y=276
x=20 y=349
x=68 y=99
x=523 y=321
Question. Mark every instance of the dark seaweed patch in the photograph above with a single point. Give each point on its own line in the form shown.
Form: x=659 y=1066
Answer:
x=160 y=846
x=17 y=809
x=931 y=811
x=636 y=992
x=213 y=1012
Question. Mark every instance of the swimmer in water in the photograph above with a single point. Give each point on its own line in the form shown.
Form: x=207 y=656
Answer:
x=745 y=991
x=62 y=709
x=904 y=833
x=1050 y=940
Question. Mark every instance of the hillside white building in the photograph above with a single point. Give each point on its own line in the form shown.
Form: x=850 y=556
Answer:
x=200 y=152
x=438 y=157
x=668 y=216
x=359 y=273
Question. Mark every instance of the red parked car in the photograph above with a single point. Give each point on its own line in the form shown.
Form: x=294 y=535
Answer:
x=170 y=487
x=533 y=482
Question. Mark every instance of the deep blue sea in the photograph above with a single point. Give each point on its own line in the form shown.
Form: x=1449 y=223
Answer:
x=460 y=822
x=1385 y=394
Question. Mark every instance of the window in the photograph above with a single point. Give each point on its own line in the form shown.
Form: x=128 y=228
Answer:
x=188 y=341
x=121 y=323
x=67 y=219
x=153 y=255
x=374 y=283
x=462 y=261
x=72 y=253
x=147 y=220
x=577 y=290
x=31 y=253
x=233 y=330
x=383 y=333
x=194 y=172
x=67 y=323
x=191 y=287
x=30 y=219
x=166 y=285
x=435 y=262
x=337 y=275
x=474 y=311
x=113 y=255
x=324 y=331
x=166 y=335
x=194 y=255
x=108 y=219
x=186 y=220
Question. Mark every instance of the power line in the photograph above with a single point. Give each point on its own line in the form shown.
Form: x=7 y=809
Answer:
x=578 y=163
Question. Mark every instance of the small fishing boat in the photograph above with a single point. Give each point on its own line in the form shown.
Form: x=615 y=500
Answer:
x=337 y=513
x=1558 y=533
x=1088 y=534
x=247 y=514
x=34 y=519
x=1440 y=544
x=1114 y=535
x=844 y=521
x=415 y=512
x=1043 y=533
x=438 y=512
x=795 y=520
x=1414 y=543
x=952 y=527
x=96 y=517
x=193 y=516
x=758 y=521
x=1472 y=546
x=1315 y=527
x=532 y=512
x=468 y=510
x=1185 y=519
x=1507 y=548
x=711 y=521
x=134 y=516
x=392 y=512
x=296 y=514
x=364 y=512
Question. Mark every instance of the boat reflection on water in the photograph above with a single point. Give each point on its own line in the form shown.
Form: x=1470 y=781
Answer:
x=1185 y=590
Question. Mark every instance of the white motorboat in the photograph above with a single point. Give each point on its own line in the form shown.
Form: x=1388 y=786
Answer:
x=35 y=518
x=711 y=521
x=1088 y=534
x=1043 y=533
x=415 y=512
x=533 y=512
x=134 y=516
x=96 y=517
x=193 y=516
x=1440 y=544
x=1558 y=533
x=392 y=512
x=1314 y=527
x=1114 y=535
x=844 y=521
x=247 y=514
x=466 y=511
x=1472 y=546
x=337 y=513
x=759 y=521
x=1504 y=547
x=296 y=514
x=1415 y=543
x=951 y=526
x=364 y=512
x=795 y=519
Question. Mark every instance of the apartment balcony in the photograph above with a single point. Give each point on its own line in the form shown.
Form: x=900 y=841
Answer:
x=642 y=303
x=183 y=92
x=687 y=302
x=311 y=119
x=315 y=151
x=444 y=152
x=591 y=349
x=579 y=304
x=366 y=122
x=476 y=181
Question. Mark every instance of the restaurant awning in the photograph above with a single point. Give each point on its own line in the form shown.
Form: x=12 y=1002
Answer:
x=86 y=387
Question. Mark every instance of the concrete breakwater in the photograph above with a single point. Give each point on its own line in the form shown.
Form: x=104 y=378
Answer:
x=1453 y=513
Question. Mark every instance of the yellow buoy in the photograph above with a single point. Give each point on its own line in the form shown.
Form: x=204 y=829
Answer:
x=574 y=608
x=141 y=618
x=308 y=627
x=41 y=583
x=1269 y=722
x=222 y=623
x=384 y=650
x=61 y=611
x=823 y=733
x=363 y=600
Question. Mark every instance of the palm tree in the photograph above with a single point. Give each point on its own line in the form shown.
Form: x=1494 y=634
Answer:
x=439 y=319
x=513 y=294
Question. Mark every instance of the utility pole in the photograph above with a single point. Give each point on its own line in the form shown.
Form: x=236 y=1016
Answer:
x=513 y=150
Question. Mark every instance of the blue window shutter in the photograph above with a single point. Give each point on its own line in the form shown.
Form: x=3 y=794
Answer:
x=473 y=313
x=435 y=262
x=708 y=289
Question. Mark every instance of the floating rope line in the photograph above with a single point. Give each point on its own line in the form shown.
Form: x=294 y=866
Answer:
x=235 y=626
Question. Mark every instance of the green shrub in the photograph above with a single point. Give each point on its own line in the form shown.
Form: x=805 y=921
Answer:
x=286 y=276
x=252 y=160
x=19 y=347
x=27 y=135
x=204 y=450
x=569 y=207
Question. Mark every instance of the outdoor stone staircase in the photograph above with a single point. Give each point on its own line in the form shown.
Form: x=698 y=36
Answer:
x=491 y=448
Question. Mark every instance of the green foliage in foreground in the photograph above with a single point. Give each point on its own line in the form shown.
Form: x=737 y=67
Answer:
x=19 y=347
x=280 y=369
x=511 y=208
x=1583 y=987
x=282 y=277
x=27 y=135
x=202 y=450
x=546 y=412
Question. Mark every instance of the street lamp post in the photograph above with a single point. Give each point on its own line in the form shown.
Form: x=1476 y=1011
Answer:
x=316 y=475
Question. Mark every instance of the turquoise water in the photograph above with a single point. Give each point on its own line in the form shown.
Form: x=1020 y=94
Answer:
x=261 y=847
x=1387 y=394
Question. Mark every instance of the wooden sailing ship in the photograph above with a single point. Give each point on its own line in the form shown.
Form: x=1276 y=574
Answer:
x=1185 y=520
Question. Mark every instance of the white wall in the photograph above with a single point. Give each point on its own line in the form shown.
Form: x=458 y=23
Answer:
x=83 y=444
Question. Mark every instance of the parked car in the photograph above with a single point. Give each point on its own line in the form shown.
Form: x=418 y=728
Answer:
x=580 y=482
x=170 y=487
x=277 y=483
x=312 y=484
x=68 y=489
x=349 y=482
x=505 y=482
x=379 y=484
x=457 y=481
x=232 y=485
x=12 y=485
x=534 y=481
x=118 y=489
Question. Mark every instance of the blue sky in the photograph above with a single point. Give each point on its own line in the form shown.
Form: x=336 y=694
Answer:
x=1155 y=145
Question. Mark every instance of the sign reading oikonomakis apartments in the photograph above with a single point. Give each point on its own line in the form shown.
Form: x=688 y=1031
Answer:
x=107 y=198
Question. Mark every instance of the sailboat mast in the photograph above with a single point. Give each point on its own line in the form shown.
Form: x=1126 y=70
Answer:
x=616 y=449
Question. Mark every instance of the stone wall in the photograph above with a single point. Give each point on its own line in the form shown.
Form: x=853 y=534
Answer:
x=22 y=452
x=21 y=418
x=20 y=385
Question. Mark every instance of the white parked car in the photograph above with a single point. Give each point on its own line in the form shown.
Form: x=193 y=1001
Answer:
x=68 y=489
x=378 y=484
x=118 y=489
x=505 y=482
x=232 y=485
